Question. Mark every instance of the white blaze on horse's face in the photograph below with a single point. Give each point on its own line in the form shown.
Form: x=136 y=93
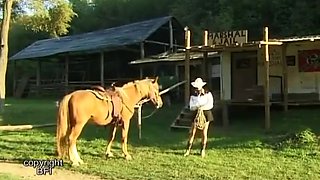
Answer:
x=154 y=94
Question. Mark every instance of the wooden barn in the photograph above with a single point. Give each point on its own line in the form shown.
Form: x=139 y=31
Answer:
x=100 y=57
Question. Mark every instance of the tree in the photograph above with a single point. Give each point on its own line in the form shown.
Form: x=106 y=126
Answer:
x=7 y=7
x=52 y=16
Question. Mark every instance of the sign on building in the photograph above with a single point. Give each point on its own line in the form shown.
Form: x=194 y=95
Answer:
x=309 y=60
x=228 y=37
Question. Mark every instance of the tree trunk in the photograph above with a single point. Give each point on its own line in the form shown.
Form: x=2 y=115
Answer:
x=7 y=6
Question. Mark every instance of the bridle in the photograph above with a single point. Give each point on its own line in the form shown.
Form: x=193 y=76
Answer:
x=151 y=95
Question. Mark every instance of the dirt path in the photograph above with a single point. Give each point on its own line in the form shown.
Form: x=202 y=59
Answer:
x=30 y=173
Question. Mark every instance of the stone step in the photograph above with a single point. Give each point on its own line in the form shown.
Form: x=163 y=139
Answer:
x=183 y=122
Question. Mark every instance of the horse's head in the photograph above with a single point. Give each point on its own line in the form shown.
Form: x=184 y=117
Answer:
x=153 y=93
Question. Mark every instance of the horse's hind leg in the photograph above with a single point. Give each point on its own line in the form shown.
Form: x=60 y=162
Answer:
x=191 y=138
x=204 y=139
x=113 y=130
x=73 y=153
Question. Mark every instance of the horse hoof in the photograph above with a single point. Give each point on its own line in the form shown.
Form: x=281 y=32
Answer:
x=186 y=154
x=128 y=157
x=203 y=154
x=81 y=162
x=75 y=164
x=109 y=155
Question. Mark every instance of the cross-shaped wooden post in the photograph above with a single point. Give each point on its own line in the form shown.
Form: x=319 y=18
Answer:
x=266 y=42
x=187 y=66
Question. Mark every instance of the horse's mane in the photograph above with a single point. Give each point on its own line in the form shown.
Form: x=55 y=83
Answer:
x=133 y=83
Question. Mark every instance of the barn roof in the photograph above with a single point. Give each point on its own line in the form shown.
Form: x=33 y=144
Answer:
x=106 y=39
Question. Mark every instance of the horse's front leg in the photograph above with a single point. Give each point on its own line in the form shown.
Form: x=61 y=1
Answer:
x=113 y=130
x=125 y=130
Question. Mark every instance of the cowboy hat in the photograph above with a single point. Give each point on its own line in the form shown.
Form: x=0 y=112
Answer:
x=198 y=83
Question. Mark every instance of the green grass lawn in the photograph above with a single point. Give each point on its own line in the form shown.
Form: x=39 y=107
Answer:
x=243 y=151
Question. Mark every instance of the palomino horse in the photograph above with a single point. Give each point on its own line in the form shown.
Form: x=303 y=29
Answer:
x=80 y=106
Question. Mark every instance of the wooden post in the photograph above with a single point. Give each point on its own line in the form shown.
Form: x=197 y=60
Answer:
x=38 y=76
x=171 y=36
x=177 y=76
x=266 y=79
x=142 y=55
x=285 y=79
x=187 y=67
x=205 y=38
x=139 y=119
x=225 y=114
x=66 y=74
x=267 y=82
x=102 y=68
x=141 y=72
x=224 y=104
x=14 y=77
x=267 y=104
x=204 y=71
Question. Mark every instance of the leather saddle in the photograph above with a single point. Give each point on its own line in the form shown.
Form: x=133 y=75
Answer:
x=109 y=95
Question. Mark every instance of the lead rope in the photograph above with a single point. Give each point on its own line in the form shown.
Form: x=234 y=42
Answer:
x=200 y=119
x=151 y=114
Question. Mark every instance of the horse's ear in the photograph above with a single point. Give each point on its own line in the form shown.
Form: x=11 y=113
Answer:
x=155 y=80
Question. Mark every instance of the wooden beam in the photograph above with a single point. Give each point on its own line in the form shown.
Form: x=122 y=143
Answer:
x=267 y=42
x=285 y=78
x=187 y=67
x=171 y=36
x=162 y=43
x=267 y=82
x=24 y=127
x=102 y=68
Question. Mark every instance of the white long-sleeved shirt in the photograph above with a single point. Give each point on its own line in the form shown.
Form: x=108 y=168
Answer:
x=205 y=102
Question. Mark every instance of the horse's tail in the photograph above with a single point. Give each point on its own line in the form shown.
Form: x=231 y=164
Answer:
x=63 y=126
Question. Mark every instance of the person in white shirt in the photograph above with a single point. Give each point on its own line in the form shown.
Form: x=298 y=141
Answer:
x=201 y=100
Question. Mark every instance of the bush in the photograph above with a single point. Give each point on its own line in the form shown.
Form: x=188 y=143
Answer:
x=303 y=139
